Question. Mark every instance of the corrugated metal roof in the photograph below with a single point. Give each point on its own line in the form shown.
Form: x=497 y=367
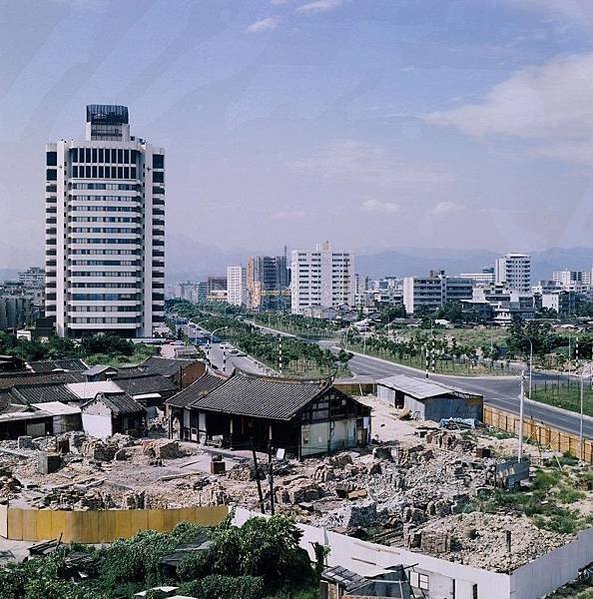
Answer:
x=415 y=387
x=118 y=403
x=88 y=390
x=57 y=408
x=206 y=383
x=261 y=397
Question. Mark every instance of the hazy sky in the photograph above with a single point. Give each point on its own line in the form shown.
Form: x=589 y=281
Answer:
x=372 y=123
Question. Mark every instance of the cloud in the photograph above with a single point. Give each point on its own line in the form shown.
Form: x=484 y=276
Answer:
x=579 y=12
x=377 y=206
x=547 y=104
x=368 y=164
x=288 y=215
x=443 y=208
x=263 y=25
x=318 y=6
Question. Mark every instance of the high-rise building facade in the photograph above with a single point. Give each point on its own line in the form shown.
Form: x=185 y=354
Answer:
x=236 y=285
x=321 y=277
x=268 y=283
x=105 y=229
x=514 y=271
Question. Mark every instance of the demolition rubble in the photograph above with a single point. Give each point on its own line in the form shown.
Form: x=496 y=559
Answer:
x=415 y=489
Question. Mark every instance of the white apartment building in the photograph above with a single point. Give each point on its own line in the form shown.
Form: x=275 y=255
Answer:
x=33 y=277
x=105 y=229
x=485 y=277
x=434 y=291
x=322 y=277
x=236 y=285
x=514 y=271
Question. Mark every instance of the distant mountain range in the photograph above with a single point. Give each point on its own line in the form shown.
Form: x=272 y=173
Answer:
x=188 y=259
x=418 y=261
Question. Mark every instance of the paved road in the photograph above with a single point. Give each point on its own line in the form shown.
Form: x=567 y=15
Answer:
x=498 y=391
x=501 y=392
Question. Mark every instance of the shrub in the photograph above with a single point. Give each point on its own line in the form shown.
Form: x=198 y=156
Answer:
x=225 y=587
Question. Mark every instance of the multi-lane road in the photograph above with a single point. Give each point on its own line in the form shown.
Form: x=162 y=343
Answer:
x=498 y=391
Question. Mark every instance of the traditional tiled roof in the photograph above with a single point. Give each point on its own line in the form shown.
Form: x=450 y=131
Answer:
x=262 y=397
x=148 y=383
x=98 y=369
x=164 y=366
x=27 y=379
x=191 y=394
x=43 y=393
x=118 y=403
x=43 y=366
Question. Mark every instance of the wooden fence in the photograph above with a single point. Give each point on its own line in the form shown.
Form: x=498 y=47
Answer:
x=539 y=433
x=101 y=526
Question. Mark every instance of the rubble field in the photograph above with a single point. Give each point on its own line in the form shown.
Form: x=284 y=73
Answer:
x=420 y=487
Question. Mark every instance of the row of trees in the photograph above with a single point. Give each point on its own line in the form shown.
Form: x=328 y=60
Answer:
x=259 y=560
x=298 y=356
x=93 y=348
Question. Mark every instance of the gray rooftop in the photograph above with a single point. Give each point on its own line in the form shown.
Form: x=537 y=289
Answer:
x=261 y=397
x=415 y=387
x=194 y=392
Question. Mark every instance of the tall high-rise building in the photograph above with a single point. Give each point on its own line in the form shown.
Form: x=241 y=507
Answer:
x=321 y=277
x=236 y=285
x=267 y=283
x=514 y=271
x=105 y=229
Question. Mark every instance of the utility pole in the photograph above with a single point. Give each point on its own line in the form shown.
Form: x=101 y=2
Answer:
x=271 y=477
x=522 y=401
x=581 y=438
x=259 y=489
x=280 y=354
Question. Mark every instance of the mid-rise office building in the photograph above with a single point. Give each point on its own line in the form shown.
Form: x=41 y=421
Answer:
x=321 y=277
x=268 y=283
x=484 y=277
x=105 y=229
x=434 y=291
x=236 y=285
x=514 y=271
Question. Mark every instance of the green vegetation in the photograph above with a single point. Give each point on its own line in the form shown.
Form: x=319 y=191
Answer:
x=93 y=349
x=261 y=560
x=299 y=358
x=551 y=501
x=567 y=397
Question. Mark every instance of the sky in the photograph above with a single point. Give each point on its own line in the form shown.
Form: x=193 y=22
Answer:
x=375 y=124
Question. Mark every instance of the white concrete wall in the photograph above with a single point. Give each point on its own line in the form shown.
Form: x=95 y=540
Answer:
x=364 y=558
x=553 y=570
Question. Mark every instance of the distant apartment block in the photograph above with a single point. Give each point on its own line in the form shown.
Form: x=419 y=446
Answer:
x=33 y=277
x=574 y=280
x=216 y=289
x=105 y=229
x=236 y=285
x=268 y=283
x=434 y=291
x=514 y=271
x=321 y=277
x=484 y=277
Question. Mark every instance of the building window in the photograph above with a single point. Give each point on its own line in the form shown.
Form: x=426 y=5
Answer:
x=158 y=177
x=51 y=174
x=51 y=159
x=158 y=161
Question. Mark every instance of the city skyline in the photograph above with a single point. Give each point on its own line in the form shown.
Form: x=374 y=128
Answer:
x=388 y=123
